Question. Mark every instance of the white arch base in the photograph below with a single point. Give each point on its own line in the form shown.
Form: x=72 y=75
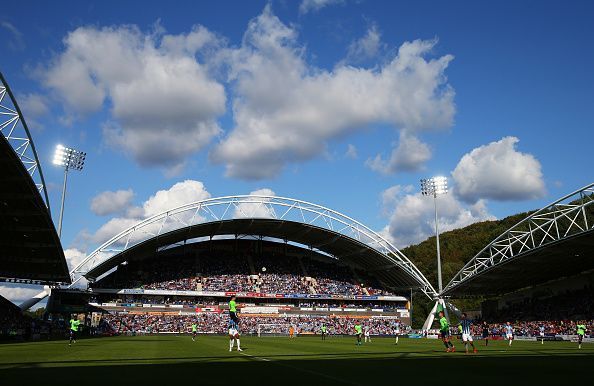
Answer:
x=35 y=299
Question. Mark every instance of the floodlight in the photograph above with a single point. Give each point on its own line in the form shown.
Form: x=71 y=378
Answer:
x=68 y=158
x=434 y=186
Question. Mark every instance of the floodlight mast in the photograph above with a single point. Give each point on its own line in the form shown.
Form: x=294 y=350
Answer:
x=436 y=186
x=68 y=158
x=433 y=187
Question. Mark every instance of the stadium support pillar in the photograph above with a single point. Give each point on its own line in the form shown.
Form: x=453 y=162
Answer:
x=439 y=303
x=443 y=305
x=35 y=299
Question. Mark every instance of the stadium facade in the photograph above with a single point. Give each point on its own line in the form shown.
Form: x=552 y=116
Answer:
x=554 y=242
x=31 y=252
x=328 y=262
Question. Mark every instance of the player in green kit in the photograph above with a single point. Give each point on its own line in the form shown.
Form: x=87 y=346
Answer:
x=444 y=329
x=323 y=329
x=358 y=333
x=233 y=310
x=194 y=331
x=581 y=331
x=74 y=323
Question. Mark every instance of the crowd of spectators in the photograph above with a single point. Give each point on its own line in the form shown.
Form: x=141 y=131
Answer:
x=331 y=286
x=225 y=271
x=283 y=283
x=574 y=304
x=16 y=325
x=532 y=328
x=13 y=323
x=233 y=282
x=192 y=302
x=217 y=323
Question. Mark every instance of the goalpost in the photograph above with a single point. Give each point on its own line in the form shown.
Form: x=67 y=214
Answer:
x=274 y=329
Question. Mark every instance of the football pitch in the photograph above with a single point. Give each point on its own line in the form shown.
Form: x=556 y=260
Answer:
x=176 y=360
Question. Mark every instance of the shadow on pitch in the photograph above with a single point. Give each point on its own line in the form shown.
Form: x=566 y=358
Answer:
x=362 y=371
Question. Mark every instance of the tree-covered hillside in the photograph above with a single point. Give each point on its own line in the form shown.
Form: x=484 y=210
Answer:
x=457 y=248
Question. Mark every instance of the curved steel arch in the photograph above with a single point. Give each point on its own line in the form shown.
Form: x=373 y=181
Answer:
x=567 y=217
x=245 y=207
x=14 y=128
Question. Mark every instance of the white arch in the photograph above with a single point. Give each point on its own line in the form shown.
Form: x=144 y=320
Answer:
x=564 y=218
x=14 y=128
x=250 y=206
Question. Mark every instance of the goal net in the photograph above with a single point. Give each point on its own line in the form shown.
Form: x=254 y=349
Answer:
x=274 y=329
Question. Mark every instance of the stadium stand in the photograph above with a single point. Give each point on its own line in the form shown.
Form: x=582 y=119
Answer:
x=222 y=270
x=217 y=323
x=31 y=251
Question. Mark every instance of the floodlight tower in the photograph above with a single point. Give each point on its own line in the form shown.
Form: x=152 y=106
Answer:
x=433 y=187
x=68 y=158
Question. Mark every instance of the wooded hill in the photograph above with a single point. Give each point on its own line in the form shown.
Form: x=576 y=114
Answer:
x=457 y=248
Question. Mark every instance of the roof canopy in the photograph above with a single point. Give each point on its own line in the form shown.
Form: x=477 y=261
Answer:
x=555 y=241
x=311 y=225
x=30 y=249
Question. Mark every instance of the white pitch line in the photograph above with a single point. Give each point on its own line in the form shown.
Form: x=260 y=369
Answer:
x=279 y=363
x=255 y=357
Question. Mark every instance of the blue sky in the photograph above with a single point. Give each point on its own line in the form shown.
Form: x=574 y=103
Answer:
x=342 y=103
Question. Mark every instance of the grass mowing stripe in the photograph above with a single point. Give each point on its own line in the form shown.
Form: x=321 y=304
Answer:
x=303 y=370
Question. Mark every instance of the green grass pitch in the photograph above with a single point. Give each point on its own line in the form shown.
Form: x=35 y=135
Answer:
x=306 y=361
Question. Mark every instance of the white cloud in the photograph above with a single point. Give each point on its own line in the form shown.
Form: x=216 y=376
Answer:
x=314 y=106
x=73 y=257
x=365 y=47
x=18 y=294
x=260 y=210
x=315 y=5
x=112 y=228
x=156 y=88
x=411 y=215
x=16 y=41
x=179 y=194
x=410 y=155
x=109 y=202
x=498 y=171
x=33 y=105
x=351 y=151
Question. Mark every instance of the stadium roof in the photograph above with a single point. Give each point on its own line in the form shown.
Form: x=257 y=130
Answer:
x=311 y=225
x=345 y=249
x=30 y=250
x=556 y=241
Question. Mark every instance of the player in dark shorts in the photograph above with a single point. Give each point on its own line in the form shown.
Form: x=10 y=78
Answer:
x=358 y=333
x=581 y=331
x=233 y=310
x=444 y=330
x=486 y=333
x=74 y=323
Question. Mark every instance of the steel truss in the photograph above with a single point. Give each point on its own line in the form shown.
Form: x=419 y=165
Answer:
x=564 y=218
x=250 y=206
x=15 y=130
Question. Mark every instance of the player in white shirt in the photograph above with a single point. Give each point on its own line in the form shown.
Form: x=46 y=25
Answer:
x=397 y=330
x=509 y=332
x=466 y=329
x=367 y=333
x=541 y=333
x=234 y=335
